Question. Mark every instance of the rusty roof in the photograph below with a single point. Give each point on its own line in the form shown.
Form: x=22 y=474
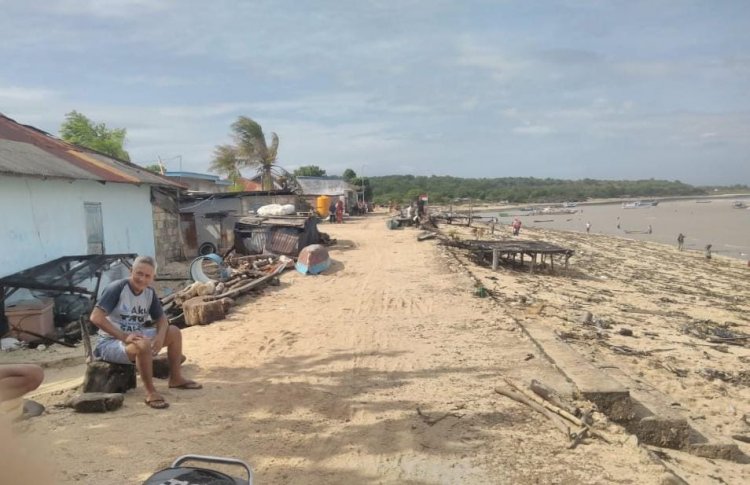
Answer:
x=29 y=151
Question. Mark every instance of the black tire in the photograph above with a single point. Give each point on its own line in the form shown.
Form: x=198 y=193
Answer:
x=206 y=248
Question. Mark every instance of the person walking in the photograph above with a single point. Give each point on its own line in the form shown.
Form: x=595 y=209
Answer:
x=680 y=241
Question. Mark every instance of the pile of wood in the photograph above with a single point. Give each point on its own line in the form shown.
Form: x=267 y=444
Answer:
x=201 y=303
x=545 y=401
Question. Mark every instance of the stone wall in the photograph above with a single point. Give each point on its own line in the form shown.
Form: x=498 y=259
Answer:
x=167 y=238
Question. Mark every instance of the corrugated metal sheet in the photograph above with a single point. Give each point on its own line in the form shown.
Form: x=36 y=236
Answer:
x=284 y=240
x=25 y=150
x=324 y=186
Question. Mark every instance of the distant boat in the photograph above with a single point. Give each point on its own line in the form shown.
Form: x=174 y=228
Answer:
x=640 y=204
x=738 y=204
x=570 y=204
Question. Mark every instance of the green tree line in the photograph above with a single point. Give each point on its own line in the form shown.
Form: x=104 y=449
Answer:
x=444 y=189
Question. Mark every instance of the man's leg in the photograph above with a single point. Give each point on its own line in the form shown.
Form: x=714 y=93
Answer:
x=18 y=379
x=140 y=351
x=173 y=342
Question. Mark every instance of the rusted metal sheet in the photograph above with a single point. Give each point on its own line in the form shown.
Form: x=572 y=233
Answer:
x=189 y=234
x=25 y=150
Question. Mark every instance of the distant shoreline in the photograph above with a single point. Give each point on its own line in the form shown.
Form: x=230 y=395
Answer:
x=464 y=208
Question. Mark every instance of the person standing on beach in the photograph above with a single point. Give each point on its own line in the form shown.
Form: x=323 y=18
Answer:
x=650 y=230
x=588 y=227
x=680 y=241
x=516 y=226
x=340 y=211
x=708 y=251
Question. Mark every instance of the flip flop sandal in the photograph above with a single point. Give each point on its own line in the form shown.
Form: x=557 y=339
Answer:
x=157 y=403
x=188 y=385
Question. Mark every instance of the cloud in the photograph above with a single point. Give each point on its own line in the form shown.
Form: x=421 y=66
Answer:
x=17 y=94
x=531 y=129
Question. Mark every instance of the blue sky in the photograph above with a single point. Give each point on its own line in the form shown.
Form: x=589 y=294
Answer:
x=472 y=88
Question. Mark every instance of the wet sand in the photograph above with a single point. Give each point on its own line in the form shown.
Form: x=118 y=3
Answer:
x=702 y=222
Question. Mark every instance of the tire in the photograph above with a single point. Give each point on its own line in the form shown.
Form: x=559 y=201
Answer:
x=206 y=248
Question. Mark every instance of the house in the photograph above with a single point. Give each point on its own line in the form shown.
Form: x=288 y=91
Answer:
x=60 y=200
x=207 y=220
x=200 y=182
x=333 y=187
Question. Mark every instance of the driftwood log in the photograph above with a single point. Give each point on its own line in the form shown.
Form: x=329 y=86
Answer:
x=200 y=310
x=108 y=378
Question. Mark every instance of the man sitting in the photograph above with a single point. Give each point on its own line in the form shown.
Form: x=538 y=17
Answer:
x=123 y=314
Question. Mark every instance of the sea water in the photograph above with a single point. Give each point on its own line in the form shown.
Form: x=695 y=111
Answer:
x=702 y=222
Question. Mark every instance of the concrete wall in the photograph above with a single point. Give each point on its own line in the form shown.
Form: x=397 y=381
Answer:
x=44 y=219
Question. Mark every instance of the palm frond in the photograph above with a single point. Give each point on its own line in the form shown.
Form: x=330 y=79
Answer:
x=250 y=140
x=225 y=160
x=273 y=150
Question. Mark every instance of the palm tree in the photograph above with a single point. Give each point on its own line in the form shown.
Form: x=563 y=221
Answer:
x=249 y=150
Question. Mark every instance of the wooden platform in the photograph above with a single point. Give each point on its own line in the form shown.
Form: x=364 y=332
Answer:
x=514 y=252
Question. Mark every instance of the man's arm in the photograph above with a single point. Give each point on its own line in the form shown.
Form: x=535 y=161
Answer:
x=99 y=318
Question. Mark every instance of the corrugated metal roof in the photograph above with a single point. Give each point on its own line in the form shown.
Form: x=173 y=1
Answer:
x=324 y=186
x=25 y=150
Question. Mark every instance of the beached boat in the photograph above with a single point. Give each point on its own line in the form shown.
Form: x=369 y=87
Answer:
x=640 y=204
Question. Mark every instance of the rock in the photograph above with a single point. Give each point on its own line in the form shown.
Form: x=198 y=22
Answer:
x=626 y=332
x=95 y=402
x=586 y=318
x=31 y=409
x=161 y=366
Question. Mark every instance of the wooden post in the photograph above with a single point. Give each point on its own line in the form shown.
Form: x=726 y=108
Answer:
x=494 y=259
x=552 y=261
x=533 y=261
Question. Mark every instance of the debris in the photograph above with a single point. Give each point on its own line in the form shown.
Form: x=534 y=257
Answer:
x=586 y=318
x=626 y=332
x=431 y=420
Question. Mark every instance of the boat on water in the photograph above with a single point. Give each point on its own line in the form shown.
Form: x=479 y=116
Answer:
x=570 y=204
x=738 y=204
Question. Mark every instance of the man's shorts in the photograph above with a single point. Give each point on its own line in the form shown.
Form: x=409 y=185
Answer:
x=113 y=350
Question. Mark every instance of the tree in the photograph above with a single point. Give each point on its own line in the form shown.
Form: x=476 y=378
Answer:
x=349 y=175
x=154 y=167
x=309 y=171
x=249 y=150
x=80 y=130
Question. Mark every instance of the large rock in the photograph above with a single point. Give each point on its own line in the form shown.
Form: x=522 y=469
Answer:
x=96 y=402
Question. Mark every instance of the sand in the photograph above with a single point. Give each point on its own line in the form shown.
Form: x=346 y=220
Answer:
x=382 y=370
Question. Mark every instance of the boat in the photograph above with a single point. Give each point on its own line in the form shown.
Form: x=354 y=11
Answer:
x=738 y=204
x=570 y=204
x=640 y=204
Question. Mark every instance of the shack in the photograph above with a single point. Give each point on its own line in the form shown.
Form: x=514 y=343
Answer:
x=207 y=220
x=333 y=187
x=285 y=235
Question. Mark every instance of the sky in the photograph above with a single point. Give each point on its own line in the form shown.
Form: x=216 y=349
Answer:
x=470 y=88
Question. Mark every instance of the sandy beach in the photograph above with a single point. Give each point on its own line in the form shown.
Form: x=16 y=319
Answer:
x=383 y=369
